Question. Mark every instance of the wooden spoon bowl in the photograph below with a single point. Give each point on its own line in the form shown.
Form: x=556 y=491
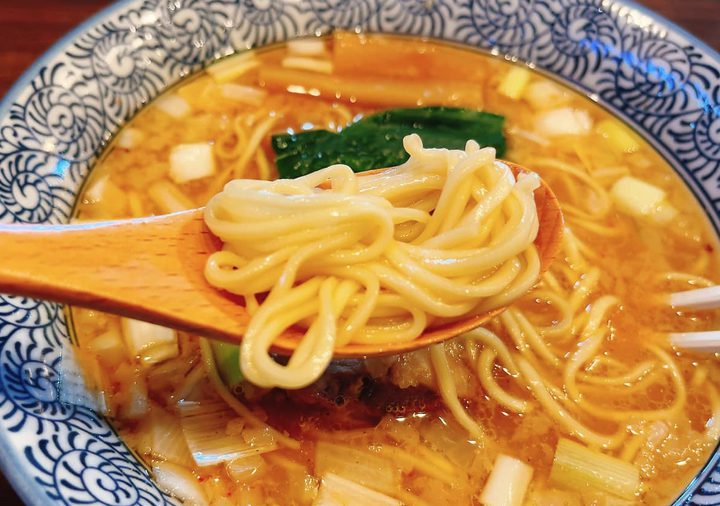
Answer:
x=153 y=269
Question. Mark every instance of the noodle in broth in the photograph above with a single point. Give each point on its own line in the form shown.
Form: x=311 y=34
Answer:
x=583 y=357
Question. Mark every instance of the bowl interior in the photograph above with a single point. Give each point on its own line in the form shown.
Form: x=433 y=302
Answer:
x=61 y=114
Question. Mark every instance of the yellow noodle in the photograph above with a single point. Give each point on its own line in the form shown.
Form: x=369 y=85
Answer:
x=491 y=340
x=602 y=196
x=585 y=250
x=484 y=369
x=562 y=416
x=699 y=376
x=238 y=168
x=702 y=263
x=446 y=384
x=264 y=170
x=578 y=323
x=633 y=375
x=409 y=498
x=631 y=448
x=598 y=313
x=586 y=349
x=232 y=144
x=563 y=325
x=572 y=250
x=658 y=414
x=235 y=404
x=533 y=338
x=585 y=285
x=566 y=271
x=299 y=244
x=512 y=328
x=592 y=226
x=552 y=282
x=638 y=386
x=432 y=464
x=683 y=277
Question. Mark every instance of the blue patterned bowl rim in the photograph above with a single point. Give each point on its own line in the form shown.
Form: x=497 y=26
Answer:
x=56 y=449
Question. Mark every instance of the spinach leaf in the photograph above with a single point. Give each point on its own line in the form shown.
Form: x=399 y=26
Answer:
x=376 y=141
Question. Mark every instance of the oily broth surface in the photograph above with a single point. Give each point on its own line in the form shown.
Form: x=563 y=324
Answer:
x=633 y=260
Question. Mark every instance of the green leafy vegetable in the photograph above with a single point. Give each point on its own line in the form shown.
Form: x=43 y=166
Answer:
x=376 y=141
x=227 y=361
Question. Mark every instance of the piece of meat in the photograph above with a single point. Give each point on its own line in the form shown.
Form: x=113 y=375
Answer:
x=346 y=397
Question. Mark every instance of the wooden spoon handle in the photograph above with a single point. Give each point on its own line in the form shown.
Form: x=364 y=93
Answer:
x=128 y=267
x=153 y=269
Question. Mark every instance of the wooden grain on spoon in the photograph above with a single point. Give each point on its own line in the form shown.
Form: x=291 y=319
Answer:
x=153 y=269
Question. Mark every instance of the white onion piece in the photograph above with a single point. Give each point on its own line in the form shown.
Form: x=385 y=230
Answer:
x=545 y=95
x=179 y=482
x=338 y=491
x=138 y=404
x=189 y=162
x=129 y=138
x=508 y=482
x=173 y=105
x=205 y=426
x=164 y=437
x=148 y=342
x=364 y=467
x=306 y=47
x=564 y=121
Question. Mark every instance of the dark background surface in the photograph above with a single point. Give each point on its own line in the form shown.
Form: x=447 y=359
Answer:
x=29 y=27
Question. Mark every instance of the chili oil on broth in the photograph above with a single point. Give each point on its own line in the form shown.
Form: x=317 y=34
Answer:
x=612 y=274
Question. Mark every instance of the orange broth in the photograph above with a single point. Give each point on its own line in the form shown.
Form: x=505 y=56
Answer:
x=636 y=260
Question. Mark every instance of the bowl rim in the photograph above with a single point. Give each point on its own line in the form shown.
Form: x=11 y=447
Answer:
x=29 y=491
x=27 y=74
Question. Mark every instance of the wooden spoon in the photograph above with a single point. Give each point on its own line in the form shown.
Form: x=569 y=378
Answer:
x=152 y=269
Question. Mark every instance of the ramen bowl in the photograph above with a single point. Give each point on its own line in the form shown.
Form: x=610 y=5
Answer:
x=58 y=118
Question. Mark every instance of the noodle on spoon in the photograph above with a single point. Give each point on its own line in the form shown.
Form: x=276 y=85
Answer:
x=374 y=258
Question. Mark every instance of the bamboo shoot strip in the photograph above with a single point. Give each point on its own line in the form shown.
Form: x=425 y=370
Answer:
x=373 y=91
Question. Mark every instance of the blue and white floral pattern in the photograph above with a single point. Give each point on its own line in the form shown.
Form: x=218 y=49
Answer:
x=74 y=467
x=57 y=121
x=260 y=22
